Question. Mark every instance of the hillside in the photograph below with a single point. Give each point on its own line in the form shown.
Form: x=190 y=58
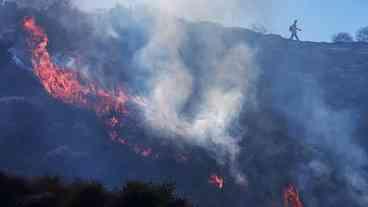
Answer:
x=302 y=120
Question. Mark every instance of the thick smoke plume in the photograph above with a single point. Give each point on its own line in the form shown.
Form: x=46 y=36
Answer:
x=217 y=103
x=182 y=105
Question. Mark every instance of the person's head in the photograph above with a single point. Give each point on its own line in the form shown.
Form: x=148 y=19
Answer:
x=295 y=21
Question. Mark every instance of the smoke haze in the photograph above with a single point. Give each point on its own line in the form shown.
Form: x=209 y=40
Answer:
x=215 y=104
x=231 y=13
x=329 y=131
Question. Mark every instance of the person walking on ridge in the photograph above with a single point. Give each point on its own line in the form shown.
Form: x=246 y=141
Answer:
x=294 y=31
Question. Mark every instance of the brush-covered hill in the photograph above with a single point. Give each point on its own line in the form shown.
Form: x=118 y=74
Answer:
x=305 y=124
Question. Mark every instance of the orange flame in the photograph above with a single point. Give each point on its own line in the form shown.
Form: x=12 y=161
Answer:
x=67 y=85
x=217 y=181
x=113 y=122
x=70 y=87
x=291 y=196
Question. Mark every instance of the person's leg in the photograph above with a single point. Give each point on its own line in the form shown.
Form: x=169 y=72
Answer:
x=296 y=36
x=293 y=35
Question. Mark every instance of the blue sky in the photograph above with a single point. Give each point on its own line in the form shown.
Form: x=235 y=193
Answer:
x=320 y=19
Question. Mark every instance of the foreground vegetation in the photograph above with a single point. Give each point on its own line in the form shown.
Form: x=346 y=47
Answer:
x=53 y=192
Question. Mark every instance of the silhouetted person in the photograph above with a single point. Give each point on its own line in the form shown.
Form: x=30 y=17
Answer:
x=294 y=31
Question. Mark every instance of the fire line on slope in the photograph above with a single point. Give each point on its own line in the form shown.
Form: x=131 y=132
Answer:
x=67 y=85
x=71 y=87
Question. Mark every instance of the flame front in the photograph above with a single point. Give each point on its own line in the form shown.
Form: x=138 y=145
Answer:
x=217 y=181
x=291 y=197
x=70 y=87
x=67 y=85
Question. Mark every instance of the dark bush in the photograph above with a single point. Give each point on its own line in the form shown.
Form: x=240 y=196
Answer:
x=142 y=194
x=51 y=184
x=86 y=194
x=12 y=188
x=342 y=37
x=362 y=34
x=52 y=192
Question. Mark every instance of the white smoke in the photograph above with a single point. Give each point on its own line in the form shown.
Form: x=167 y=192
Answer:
x=221 y=97
x=230 y=13
x=225 y=87
x=333 y=131
x=328 y=130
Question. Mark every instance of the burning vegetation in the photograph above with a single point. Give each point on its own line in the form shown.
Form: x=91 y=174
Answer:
x=291 y=197
x=217 y=181
x=71 y=87
x=267 y=145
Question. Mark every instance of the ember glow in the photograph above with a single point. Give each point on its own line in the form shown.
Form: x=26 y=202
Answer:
x=217 y=181
x=291 y=197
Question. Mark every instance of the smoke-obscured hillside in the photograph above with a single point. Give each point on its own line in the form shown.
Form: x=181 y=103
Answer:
x=203 y=102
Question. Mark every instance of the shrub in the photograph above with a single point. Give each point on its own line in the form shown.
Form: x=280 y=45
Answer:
x=11 y=189
x=52 y=192
x=51 y=184
x=362 y=34
x=89 y=194
x=142 y=194
x=342 y=37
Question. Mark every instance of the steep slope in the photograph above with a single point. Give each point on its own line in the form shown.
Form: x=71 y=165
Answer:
x=305 y=126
